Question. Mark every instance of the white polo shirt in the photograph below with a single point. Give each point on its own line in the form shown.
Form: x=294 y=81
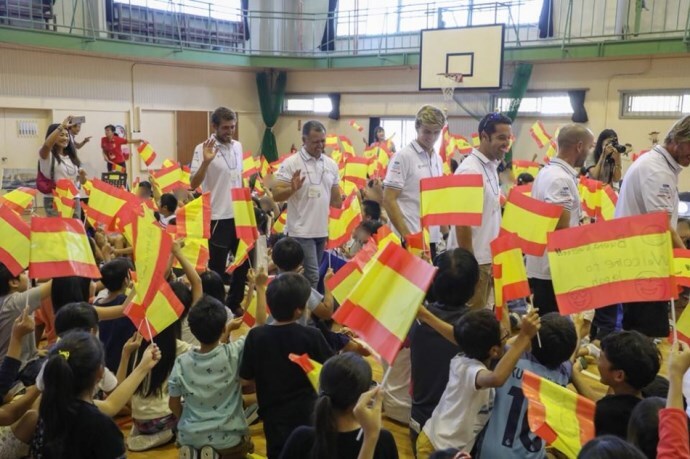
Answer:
x=308 y=207
x=556 y=183
x=406 y=169
x=477 y=163
x=650 y=185
x=223 y=174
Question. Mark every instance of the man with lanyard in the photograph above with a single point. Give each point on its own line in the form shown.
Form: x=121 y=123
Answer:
x=495 y=133
x=111 y=145
x=651 y=185
x=556 y=183
x=308 y=181
x=217 y=167
x=401 y=199
x=418 y=160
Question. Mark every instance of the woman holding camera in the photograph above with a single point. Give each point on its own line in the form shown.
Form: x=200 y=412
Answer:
x=607 y=158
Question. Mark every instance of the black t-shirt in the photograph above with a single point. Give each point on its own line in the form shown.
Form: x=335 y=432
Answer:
x=281 y=385
x=114 y=334
x=91 y=434
x=301 y=441
x=430 y=356
x=613 y=413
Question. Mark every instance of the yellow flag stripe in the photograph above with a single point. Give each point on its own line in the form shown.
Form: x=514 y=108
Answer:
x=60 y=246
x=453 y=200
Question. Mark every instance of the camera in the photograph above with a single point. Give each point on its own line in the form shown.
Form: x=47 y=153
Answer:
x=619 y=148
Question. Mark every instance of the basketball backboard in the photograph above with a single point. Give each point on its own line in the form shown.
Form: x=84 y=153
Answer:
x=476 y=52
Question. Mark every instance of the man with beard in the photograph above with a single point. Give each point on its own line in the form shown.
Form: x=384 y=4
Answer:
x=556 y=183
x=217 y=167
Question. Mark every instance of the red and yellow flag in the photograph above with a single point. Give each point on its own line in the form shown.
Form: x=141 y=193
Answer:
x=63 y=197
x=590 y=195
x=609 y=199
x=60 y=248
x=551 y=151
x=529 y=167
x=106 y=201
x=18 y=199
x=447 y=144
x=118 y=168
x=344 y=280
x=311 y=368
x=355 y=171
x=384 y=303
x=524 y=189
x=264 y=167
x=452 y=200
x=168 y=178
x=539 y=134
x=15 y=243
x=249 y=165
x=146 y=153
x=194 y=219
x=245 y=218
x=564 y=419
x=414 y=243
x=348 y=149
x=195 y=250
x=279 y=224
x=476 y=140
x=510 y=275
x=332 y=141
x=624 y=260
x=384 y=235
x=681 y=267
x=152 y=317
x=342 y=222
x=530 y=220
x=241 y=255
x=356 y=125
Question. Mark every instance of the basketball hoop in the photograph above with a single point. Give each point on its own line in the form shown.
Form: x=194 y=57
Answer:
x=448 y=82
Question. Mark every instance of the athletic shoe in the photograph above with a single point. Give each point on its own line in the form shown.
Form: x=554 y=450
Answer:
x=207 y=452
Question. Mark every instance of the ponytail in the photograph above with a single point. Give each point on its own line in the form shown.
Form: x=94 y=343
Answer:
x=71 y=370
x=325 y=429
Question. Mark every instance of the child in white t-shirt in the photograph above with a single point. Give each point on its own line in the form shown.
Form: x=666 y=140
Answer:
x=467 y=402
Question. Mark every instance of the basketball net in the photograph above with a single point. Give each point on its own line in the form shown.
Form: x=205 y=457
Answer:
x=448 y=82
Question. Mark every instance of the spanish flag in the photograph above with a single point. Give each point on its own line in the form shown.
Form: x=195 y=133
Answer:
x=168 y=178
x=447 y=144
x=264 y=167
x=384 y=235
x=414 y=243
x=452 y=200
x=18 y=199
x=530 y=220
x=683 y=326
x=279 y=224
x=249 y=165
x=681 y=267
x=348 y=149
x=344 y=280
x=245 y=218
x=539 y=134
x=384 y=303
x=60 y=248
x=463 y=145
x=590 y=195
x=524 y=189
x=241 y=255
x=337 y=156
x=551 y=151
x=342 y=222
x=194 y=219
x=249 y=316
x=624 y=260
x=118 y=168
x=476 y=139
x=63 y=197
x=609 y=199
x=332 y=141
x=275 y=165
x=564 y=419
x=15 y=244
x=355 y=125
x=195 y=250
x=529 y=167
x=509 y=273
x=105 y=202
x=311 y=368
x=355 y=171
x=146 y=153
x=152 y=317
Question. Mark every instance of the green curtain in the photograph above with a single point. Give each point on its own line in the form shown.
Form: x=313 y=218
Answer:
x=523 y=72
x=271 y=90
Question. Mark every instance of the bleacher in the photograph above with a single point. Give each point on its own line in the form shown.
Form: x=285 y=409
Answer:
x=137 y=23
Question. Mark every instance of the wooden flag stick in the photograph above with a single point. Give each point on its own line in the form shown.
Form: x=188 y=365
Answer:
x=673 y=319
x=383 y=383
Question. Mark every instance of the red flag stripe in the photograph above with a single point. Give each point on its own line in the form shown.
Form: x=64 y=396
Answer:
x=341 y=274
x=56 y=225
x=516 y=290
x=399 y=261
x=653 y=223
x=48 y=269
x=532 y=384
x=526 y=246
x=451 y=181
x=532 y=205
x=454 y=218
x=10 y=262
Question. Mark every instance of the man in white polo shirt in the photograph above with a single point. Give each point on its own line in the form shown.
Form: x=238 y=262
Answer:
x=556 y=183
x=308 y=181
x=217 y=167
x=418 y=160
x=495 y=132
x=651 y=185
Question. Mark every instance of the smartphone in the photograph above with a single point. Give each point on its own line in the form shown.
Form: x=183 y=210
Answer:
x=261 y=253
x=78 y=119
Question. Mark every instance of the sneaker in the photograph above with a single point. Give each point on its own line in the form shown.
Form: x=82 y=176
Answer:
x=146 y=442
x=251 y=413
x=207 y=452
x=187 y=452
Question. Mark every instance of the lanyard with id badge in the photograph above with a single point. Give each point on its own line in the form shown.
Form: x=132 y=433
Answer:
x=314 y=189
x=232 y=165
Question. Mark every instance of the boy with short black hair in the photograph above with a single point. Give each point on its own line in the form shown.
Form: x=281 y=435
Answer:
x=166 y=210
x=79 y=316
x=285 y=395
x=507 y=435
x=468 y=399
x=629 y=361
x=371 y=210
x=114 y=333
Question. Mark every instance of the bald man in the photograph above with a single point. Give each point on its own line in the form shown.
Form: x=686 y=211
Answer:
x=556 y=183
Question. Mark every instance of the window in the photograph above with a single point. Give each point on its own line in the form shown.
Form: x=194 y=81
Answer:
x=307 y=104
x=386 y=17
x=228 y=10
x=539 y=105
x=403 y=131
x=659 y=104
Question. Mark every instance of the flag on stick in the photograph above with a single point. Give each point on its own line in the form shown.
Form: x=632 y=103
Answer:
x=63 y=197
x=356 y=125
x=509 y=273
x=311 y=368
x=356 y=169
x=520 y=167
x=590 y=195
x=15 y=243
x=539 y=134
x=452 y=200
x=18 y=199
x=342 y=222
x=146 y=153
x=681 y=267
x=151 y=318
x=194 y=219
x=530 y=220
